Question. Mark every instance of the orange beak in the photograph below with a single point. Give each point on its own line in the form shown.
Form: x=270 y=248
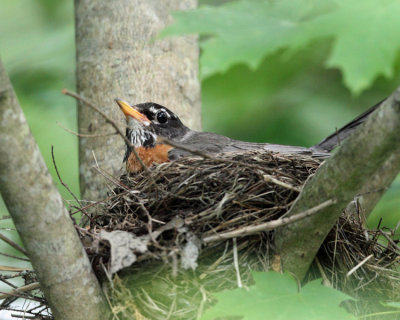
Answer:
x=130 y=111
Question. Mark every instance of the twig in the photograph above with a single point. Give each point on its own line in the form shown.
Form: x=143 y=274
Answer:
x=245 y=231
x=13 y=269
x=236 y=263
x=335 y=249
x=202 y=302
x=325 y=280
x=269 y=178
x=100 y=201
x=86 y=135
x=28 y=287
x=359 y=265
x=108 y=120
x=394 y=244
x=14 y=257
x=12 y=276
x=8 y=283
x=63 y=183
x=13 y=244
x=110 y=178
x=120 y=184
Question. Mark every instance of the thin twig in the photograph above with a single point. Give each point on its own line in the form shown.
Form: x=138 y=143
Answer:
x=325 y=280
x=270 y=225
x=108 y=120
x=100 y=201
x=13 y=269
x=236 y=263
x=86 y=135
x=13 y=244
x=28 y=287
x=8 y=283
x=269 y=178
x=12 y=276
x=120 y=184
x=63 y=183
x=112 y=179
x=394 y=244
x=14 y=257
x=359 y=265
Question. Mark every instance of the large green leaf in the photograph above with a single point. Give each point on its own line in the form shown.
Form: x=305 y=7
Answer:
x=366 y=39
x=243 y=31
x=276 y=296
x=365 y=34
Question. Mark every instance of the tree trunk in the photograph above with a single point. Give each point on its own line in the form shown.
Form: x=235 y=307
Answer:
x=51 y=241
x=118 y=56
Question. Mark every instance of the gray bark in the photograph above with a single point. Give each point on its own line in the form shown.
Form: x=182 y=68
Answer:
x=378 y=183
x=357 y=163
x=41 y=219
x=118 y=56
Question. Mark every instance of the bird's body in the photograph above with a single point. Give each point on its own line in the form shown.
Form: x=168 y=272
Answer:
x=148 y=122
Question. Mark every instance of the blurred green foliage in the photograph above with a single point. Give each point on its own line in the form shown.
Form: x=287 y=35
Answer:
x=278 y=296
x=290 y=97
x=246 y=31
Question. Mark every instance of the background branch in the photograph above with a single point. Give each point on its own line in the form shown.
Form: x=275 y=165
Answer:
x=41 y=219
x=343 y=176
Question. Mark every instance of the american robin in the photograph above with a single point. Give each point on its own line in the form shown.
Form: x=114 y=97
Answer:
x=147 y=122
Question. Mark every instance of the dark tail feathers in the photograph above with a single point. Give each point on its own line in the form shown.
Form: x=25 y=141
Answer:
x=337 y=137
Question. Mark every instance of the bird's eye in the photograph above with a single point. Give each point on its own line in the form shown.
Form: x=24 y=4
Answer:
x=162 y=117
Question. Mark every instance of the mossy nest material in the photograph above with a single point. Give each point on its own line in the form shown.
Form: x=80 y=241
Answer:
x=168 y=210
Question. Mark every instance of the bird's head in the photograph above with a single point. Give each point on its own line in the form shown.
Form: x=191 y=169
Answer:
x=146 y=122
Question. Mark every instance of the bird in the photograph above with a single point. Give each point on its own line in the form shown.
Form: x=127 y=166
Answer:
x=149 y=124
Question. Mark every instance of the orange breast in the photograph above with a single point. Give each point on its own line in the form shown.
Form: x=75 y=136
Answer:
x=157 y=154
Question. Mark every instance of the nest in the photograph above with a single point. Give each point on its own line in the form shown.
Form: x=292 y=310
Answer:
x=209 y=196
x=156 y=240
x=187 y=202
x=177 y=212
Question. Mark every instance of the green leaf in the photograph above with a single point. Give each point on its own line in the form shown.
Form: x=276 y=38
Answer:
x=366 y=39
x=243 y=31
x=276 y=296
x=365 y=34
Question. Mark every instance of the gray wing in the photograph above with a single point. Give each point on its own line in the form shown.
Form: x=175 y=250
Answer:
x=332 y=141
x=213 y=143
x=206 y=142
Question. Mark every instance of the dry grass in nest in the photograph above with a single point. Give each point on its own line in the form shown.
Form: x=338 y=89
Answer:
x=191 y=199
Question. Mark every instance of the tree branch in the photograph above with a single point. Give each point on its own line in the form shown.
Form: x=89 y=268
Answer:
x=342 y=177
x=378 y=183
x=41 y=219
